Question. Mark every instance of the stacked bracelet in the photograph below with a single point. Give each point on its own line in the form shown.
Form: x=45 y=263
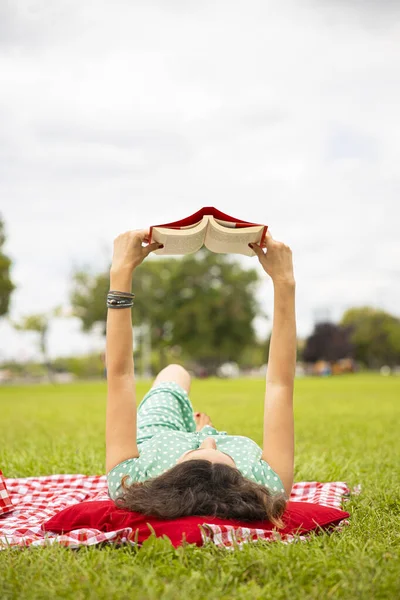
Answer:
x=119 y=299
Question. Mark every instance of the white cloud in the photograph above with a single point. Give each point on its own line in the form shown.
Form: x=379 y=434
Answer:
x=118 y=116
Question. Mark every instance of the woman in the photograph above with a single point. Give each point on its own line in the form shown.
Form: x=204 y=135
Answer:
x=167 y=461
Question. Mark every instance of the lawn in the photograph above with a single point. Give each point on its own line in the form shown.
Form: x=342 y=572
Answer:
x=347 y=429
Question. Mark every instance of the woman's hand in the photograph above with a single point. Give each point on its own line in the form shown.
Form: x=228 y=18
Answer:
x=276 y=261
x=129 y=252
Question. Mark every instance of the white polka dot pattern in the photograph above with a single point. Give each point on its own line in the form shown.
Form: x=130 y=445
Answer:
x=166 y=429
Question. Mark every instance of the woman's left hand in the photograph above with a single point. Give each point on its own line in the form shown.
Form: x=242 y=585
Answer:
x=128 y=249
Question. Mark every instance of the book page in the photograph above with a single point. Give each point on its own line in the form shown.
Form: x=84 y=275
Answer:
x=226 y=240
x=187 y=240
x=226 y=223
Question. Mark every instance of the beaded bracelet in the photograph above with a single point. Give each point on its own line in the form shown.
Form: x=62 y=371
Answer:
x=119 y=299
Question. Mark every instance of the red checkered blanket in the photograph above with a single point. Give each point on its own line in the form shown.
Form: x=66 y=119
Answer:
x=37 y=499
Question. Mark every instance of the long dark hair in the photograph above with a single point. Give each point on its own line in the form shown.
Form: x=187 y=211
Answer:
x=203 y=488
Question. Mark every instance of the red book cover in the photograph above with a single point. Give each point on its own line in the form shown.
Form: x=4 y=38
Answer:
x=217 y=214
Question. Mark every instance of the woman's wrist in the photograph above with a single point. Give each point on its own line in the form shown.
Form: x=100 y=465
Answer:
x=284 y=282
x=121 y=279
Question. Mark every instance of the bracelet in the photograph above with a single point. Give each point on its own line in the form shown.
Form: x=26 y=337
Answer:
x=119 y=299
x=126 y=294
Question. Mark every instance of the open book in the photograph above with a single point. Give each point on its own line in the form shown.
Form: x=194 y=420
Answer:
x=210 y=227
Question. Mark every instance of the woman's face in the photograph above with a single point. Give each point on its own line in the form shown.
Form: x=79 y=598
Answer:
x=208 y=451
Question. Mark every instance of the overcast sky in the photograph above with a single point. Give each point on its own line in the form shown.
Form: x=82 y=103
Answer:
x=118 y=115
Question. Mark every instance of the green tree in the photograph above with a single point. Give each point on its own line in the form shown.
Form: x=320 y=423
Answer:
x=150 y=284
x=88 y=298
x=153 y=301
x=214 y=308
x=6 y=285
x=39 y=323
x=204 y=303
x=375 y=335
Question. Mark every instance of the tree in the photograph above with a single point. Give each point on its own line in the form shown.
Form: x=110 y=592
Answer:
x=204 y=303
x=6 y=285
x=375 y=335
x=328 y=342
x=88 y=298
x=39 y=323
x=214 y=308
x=152 y=304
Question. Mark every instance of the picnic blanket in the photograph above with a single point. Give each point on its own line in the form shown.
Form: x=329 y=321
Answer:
x=37 y=499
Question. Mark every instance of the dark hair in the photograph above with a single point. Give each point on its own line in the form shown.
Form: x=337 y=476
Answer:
x=200 y=487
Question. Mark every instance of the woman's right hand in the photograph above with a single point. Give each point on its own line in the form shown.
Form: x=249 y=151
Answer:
x=276 y=261
x=129 y=251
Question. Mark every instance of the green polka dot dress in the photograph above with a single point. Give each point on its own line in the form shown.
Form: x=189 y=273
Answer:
x=166 y=429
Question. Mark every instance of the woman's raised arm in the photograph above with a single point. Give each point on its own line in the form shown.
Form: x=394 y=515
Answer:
x=121 y=400
x=278 y=437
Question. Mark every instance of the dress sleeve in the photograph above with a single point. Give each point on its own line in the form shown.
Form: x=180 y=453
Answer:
x=127 y=467
x=266 y=476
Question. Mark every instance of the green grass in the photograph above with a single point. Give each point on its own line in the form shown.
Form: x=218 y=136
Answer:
x=347 y=429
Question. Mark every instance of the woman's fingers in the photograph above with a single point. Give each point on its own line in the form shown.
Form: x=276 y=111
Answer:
x=129 y=251
x=267 y=239
x=143 y=234
x=152 y=247
x=257 y=249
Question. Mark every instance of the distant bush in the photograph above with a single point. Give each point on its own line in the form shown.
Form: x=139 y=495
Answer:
x=83 y=367
x=90 y=366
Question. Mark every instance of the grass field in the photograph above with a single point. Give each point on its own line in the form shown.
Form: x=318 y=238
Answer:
x=347 y=429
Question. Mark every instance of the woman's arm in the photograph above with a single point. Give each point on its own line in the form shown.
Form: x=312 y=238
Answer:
x=121 y=400
x=278 y=437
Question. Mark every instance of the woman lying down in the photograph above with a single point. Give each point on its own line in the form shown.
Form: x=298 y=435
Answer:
x=166 y=460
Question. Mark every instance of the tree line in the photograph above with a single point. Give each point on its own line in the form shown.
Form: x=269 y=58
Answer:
x=202 y=307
